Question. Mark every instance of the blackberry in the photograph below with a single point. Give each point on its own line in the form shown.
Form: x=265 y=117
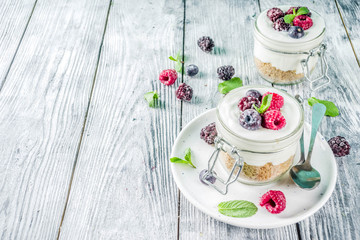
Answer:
x=184 y=92
x=248 y=102
x=281 y=25
x=209 y=133
x=209 y=177
x=250 y=119
x=192 y=70
x=254 y=93
x=339 y=146
x=296 y=32
x=274 y=14
x=206 y=44
x=226 y=72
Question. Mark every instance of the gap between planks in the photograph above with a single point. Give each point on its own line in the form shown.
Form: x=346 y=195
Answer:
x=85 y=120
x=18 y=46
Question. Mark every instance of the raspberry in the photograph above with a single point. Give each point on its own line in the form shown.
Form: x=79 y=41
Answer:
x=254 y=93
x=184 y=92
x=303 y=21
x=281 y=25
x=274 y=13
x=225 y=72
x=250 y=119
x=209 y=133
x=277 y=101
x=206 y=44
x=274 y=201
x=290 y=11
x=274 y=120
x=247 y=103
x=168 y=77
x=339 y=146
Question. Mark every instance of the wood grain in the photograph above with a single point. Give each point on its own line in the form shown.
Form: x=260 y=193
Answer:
x=122 y=187
x=338 y=219
x=42 y=108
x=229 y=23
x=13 y=18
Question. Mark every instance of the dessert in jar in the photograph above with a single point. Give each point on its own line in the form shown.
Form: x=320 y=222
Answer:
x=285 y=36
x=267 y=142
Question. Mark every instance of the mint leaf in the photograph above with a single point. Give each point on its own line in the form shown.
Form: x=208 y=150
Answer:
x=151 y=97
x=302 y=11
x=172 y=58
x=237 y=208
x=331 y=109
x=229 y=85
x=265 y=104
x=289 y=18
x=187 y=158
x=178 y=66
x=177 y=59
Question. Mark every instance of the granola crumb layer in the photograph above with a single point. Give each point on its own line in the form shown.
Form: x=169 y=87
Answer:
x=276 y=75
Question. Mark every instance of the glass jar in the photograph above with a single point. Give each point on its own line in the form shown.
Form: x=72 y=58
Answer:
x=263 y=155
x=281 y=59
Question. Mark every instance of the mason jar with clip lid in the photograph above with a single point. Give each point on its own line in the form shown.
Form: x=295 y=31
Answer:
x=281 y=59
x=254 y=157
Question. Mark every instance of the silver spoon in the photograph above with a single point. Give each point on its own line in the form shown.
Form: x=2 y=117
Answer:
x=303 y=174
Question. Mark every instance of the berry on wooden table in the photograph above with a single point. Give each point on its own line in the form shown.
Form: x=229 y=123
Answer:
x=339 y=146
x=168 y=77
x=184 y=92
x=273 y=201
x=225 y=72
x=192 y=70
x=206 y=44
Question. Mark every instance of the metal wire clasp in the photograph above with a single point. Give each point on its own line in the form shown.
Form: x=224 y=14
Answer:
x=222 y=185
x=320 y=51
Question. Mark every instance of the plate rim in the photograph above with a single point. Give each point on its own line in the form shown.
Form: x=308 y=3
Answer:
x=232 y=221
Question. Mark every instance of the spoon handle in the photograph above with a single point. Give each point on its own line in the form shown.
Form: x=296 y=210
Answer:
x=302 y=150
x=318 y=111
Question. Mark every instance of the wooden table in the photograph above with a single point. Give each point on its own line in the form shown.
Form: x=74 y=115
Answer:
x=84 y=157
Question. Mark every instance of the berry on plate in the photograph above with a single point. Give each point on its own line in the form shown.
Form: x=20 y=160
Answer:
x=296 y=32
x=248 y=102
x=210 y=178
x=225 y=72
x=250 y=119
x=274 y=120
x=303 y=21
x=277 y=101
x=254 y=93
x=168 y=77
x=209 y=133
x=273 y=201
x=184 y=92
x=339 y=146
x=206 y=44
x=274 y=14
x=192 y=70
x=281 y=25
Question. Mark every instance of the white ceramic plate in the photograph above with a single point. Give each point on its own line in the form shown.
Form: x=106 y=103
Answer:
x=300 y=203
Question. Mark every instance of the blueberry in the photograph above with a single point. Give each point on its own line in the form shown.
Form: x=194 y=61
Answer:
x=210 y=178
x=192 y=70
x=254 y=93
x=250 y=119
x=296 y=32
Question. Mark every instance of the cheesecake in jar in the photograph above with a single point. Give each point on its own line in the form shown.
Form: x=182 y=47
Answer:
x=287 y=43
x=268 y=141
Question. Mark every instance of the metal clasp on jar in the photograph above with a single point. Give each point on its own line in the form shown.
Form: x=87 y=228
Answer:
x=320 y=51
x=222 y=185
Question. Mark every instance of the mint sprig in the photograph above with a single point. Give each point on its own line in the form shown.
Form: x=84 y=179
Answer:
x=265 y=104
x=290 y=17
x=151 y=98
x=187 y=158
x=179 y=62
x=237 y=208
x=331 y=109
x=229 y=85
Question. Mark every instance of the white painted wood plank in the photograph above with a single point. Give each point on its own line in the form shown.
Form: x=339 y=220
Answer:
x=350 y=12
x=339 y=218
x=123 y=188
x=229 y=23
x=42 y=108
x=14 y=16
